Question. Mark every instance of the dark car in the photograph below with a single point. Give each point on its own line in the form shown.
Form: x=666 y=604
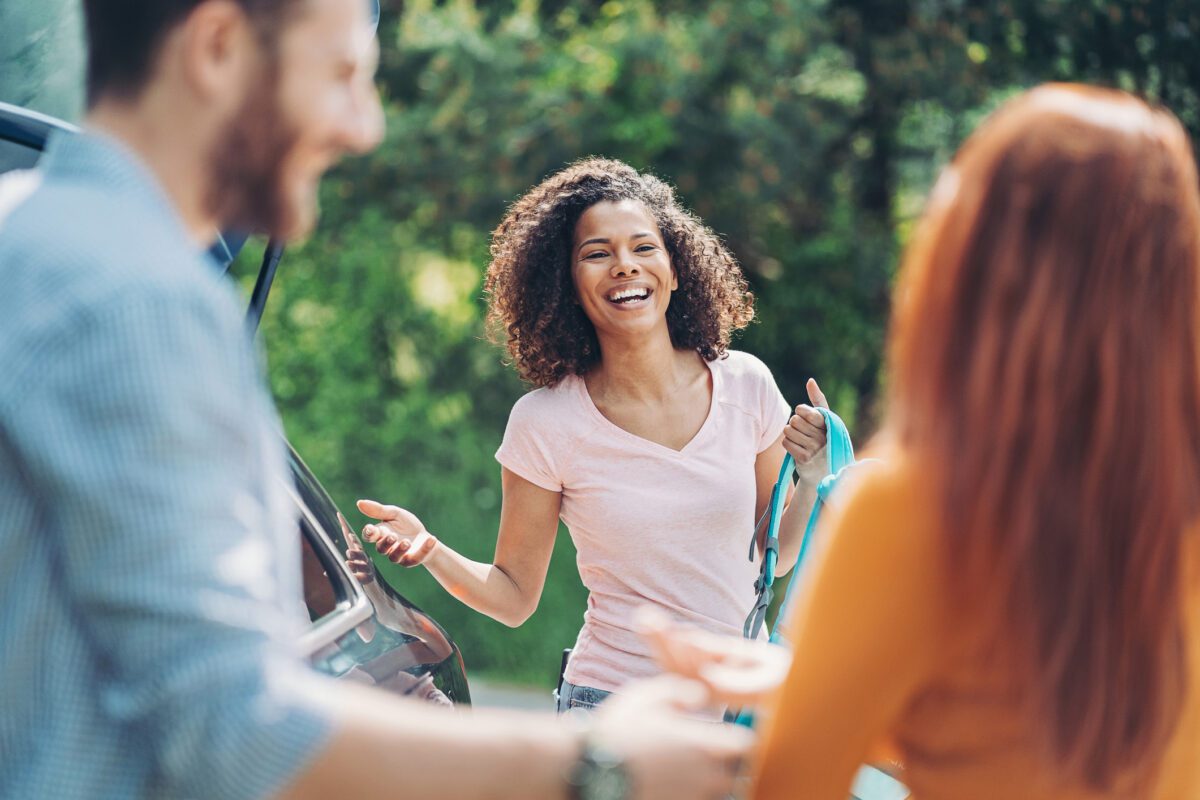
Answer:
x=369 y=634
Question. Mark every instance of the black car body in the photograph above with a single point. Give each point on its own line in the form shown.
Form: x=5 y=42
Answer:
x=369 y=634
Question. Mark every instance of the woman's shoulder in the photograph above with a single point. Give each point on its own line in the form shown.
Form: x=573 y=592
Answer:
x=883 y=475
x=746 y=382
x=740 y=368
x=556 y=406
x=885 y=503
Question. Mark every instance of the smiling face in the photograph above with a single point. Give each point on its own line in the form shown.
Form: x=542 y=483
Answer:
x=622 y=270
x=316 y=103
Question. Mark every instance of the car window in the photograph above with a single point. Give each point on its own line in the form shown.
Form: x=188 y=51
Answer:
x=320 y=595
x=16 y=156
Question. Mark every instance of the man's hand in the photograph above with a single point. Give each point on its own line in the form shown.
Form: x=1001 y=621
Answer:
x=735 y=671
x=804 y=437
x=356 y=558
x=666 y=755
x=399 y=535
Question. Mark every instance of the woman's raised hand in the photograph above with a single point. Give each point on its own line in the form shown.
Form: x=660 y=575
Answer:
x=804 y=436
x=399 y=535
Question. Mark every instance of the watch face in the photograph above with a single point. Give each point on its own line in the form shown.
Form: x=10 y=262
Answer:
x=604 y=781
x=599 y=777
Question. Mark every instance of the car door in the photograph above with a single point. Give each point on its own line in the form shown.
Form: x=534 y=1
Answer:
x=367 y=634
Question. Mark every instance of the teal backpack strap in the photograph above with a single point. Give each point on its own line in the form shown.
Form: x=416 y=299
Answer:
x=766 y=573
x=840 y=452
x=841 y=459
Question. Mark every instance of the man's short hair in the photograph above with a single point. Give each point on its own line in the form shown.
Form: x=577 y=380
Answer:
x=124 y=38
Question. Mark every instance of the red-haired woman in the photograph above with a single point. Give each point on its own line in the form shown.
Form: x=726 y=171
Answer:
x=1010 y=604
x=1013 y=602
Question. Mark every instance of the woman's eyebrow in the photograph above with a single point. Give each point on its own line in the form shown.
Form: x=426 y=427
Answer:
x=600 y=240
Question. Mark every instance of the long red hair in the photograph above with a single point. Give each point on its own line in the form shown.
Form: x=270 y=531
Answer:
x=1044 y=368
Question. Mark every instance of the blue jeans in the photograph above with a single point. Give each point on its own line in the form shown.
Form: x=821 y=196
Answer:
x=580 y=699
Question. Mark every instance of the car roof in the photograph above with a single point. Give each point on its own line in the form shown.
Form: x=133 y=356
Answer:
x=23 y=126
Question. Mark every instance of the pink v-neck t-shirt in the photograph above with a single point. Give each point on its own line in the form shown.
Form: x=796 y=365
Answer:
x=651 y=525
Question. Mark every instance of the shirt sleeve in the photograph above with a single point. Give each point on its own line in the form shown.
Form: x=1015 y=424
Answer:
x=529 y=446
x=866 y=632
x=151 y=406
x=774 y=410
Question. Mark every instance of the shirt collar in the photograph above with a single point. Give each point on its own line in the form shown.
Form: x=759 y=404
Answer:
x=92 y=157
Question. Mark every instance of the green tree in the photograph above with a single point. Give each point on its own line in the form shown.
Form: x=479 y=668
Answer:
x=806 y=132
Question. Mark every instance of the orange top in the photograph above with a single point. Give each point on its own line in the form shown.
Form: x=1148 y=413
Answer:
x=883 y=666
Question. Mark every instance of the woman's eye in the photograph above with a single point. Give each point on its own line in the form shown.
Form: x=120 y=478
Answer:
x=646 y=248
x=595 y=254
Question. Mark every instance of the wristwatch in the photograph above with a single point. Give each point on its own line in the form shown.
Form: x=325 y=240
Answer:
x=597 y=775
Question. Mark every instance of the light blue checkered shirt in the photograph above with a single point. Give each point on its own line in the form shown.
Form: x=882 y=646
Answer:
x=149 y=563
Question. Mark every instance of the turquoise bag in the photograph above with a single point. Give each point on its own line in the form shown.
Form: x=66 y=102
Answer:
x=840 y=451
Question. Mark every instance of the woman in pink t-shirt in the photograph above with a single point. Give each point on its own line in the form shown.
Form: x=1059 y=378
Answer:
x=656 y=445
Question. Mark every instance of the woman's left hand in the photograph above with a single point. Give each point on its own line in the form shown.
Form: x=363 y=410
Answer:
x=804 y=437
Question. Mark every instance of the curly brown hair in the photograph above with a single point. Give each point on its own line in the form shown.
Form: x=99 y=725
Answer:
x=531 y=293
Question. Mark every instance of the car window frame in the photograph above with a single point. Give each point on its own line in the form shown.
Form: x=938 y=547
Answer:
x=352 y=608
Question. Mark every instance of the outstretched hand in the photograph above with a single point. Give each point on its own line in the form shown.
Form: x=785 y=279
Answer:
x=735 y=671
x=804 y=436
x=399 y=535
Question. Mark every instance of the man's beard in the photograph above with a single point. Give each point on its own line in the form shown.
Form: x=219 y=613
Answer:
x=246 y=190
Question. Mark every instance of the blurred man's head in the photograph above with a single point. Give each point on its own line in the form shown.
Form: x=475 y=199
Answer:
x=261 y=95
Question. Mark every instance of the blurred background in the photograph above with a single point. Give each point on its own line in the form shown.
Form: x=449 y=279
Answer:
x=806 y=132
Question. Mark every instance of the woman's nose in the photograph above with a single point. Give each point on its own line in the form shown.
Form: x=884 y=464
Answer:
x=624 y=267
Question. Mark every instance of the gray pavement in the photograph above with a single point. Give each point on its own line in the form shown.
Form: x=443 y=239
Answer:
x=486 y=693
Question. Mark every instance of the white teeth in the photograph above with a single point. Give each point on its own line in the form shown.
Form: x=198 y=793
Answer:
x=625 y=294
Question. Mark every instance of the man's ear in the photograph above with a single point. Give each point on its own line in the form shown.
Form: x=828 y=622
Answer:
x=217 y=46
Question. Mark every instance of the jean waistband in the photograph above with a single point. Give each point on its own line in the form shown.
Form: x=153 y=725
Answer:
x=584 y=698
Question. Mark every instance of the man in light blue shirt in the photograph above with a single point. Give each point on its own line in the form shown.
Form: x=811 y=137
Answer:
x=150 y=591
x=136 y=567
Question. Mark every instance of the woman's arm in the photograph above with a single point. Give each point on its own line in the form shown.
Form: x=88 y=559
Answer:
x=801 y=497
x=804 y=437
x=508 y=589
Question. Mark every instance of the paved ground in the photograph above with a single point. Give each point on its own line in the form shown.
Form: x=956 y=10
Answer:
x=486 y=693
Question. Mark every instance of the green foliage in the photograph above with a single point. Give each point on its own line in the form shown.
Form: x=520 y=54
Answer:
x=805 y=131
x=387 y=392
